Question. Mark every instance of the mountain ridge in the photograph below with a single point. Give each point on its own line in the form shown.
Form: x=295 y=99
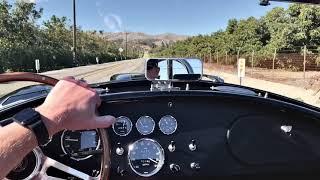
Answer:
x=115 y=36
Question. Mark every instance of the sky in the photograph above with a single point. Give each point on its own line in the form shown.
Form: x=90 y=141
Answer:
x=184 y=17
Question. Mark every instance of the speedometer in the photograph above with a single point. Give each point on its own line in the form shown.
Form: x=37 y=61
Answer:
x=145 y=125
x=73 y=142
x=168 y=125
x=146 y=157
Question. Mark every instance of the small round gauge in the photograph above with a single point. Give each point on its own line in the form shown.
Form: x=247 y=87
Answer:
x=79 y=141
x=145 y=125
x=168 y=125
x=122 y=126
x=146 y=157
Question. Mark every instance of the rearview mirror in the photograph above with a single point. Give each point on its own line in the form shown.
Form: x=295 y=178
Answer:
x=174 y=69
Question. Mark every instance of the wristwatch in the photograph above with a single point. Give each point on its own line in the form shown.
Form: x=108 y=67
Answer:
x=31 y=119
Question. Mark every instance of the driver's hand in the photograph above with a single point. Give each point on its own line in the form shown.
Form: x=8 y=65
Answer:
x=72 y=105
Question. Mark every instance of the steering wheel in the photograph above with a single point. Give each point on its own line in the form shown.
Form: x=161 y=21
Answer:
x=42 y=162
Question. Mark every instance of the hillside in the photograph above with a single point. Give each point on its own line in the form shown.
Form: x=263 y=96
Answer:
x=143 y=40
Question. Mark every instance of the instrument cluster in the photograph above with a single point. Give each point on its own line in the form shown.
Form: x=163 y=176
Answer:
x=145 y=156
x=145 y=125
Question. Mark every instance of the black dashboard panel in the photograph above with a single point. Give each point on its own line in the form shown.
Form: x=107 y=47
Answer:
x=235 y=135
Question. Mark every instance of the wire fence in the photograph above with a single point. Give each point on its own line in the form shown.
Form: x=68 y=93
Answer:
x=299 y=66
x=290 y=60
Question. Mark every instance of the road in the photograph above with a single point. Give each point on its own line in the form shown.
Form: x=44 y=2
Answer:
x=103 y=72
x=92 y=73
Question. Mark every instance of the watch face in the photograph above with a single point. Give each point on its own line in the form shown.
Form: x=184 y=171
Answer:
x=27 y=117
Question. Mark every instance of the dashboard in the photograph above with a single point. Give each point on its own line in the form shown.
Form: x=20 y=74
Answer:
x=180 y=136
x=198 y=134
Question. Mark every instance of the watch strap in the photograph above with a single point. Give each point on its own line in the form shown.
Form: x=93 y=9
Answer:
x=41 y=132
x=6 y=122
x=31 y=119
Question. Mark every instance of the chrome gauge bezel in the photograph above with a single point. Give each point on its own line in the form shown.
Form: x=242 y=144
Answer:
x=139 y=130
x=161 y=161
x=130 y=122
x=171 y=117
x=74 y=158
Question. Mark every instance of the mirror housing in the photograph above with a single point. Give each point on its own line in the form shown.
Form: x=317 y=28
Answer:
x=173 y=69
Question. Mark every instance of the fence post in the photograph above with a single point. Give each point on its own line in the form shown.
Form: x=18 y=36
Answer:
x=252 y=58
x=217 y=57
x=210 y=56
x=226 y=58
x=238 y=54
x=274 y=58
x=304 y=61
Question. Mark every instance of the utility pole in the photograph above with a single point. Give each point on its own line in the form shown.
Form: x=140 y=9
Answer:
x=74 y=49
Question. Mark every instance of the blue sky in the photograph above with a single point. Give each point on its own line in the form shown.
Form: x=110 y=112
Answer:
x=188 y=17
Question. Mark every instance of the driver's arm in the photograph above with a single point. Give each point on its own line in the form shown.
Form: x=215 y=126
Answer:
x=70 y=105
x=15 y=143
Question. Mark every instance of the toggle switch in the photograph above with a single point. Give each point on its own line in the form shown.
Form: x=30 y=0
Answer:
x=120 y=171
x=192 y=145
x=195 y=166
x=172 y=146
x=174 y=168
x=119 y=150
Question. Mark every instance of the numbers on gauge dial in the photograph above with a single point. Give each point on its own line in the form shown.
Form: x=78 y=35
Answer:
x=122 y=126
x=145 y=125
x=168 y=125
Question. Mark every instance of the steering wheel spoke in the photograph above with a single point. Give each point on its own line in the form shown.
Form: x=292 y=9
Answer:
x=49 y=162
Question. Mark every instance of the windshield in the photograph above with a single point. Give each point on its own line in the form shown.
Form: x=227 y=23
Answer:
x=280 y=43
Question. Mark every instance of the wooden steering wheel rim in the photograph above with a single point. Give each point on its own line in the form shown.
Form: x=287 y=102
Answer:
x=26 y=76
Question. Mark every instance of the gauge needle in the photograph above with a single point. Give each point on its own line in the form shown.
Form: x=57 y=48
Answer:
x=153 y=160
x=74 y=140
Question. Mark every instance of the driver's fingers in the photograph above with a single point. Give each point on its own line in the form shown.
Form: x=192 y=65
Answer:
x=103 y=121
x=80 y=82
x=98 y=103
x=69 y=78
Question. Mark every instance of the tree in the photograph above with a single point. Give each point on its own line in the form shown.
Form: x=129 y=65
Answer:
x=22 y=40
x=279 y=29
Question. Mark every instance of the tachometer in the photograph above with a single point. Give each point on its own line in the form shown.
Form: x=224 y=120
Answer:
x=168 y=125
x=146 y=157
x=145 y=125
x=79 y=141
x=122 y=126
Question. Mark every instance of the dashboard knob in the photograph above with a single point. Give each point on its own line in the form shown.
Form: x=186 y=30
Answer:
x=174 y=168
x=120 y=171
x=195 y=166
x=192 y=145
x=119 y=150
x=172 y=146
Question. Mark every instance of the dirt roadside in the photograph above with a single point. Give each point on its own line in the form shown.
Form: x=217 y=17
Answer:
x=308 y=96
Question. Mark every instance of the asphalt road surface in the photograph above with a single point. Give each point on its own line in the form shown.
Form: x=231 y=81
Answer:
x=92 y=73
